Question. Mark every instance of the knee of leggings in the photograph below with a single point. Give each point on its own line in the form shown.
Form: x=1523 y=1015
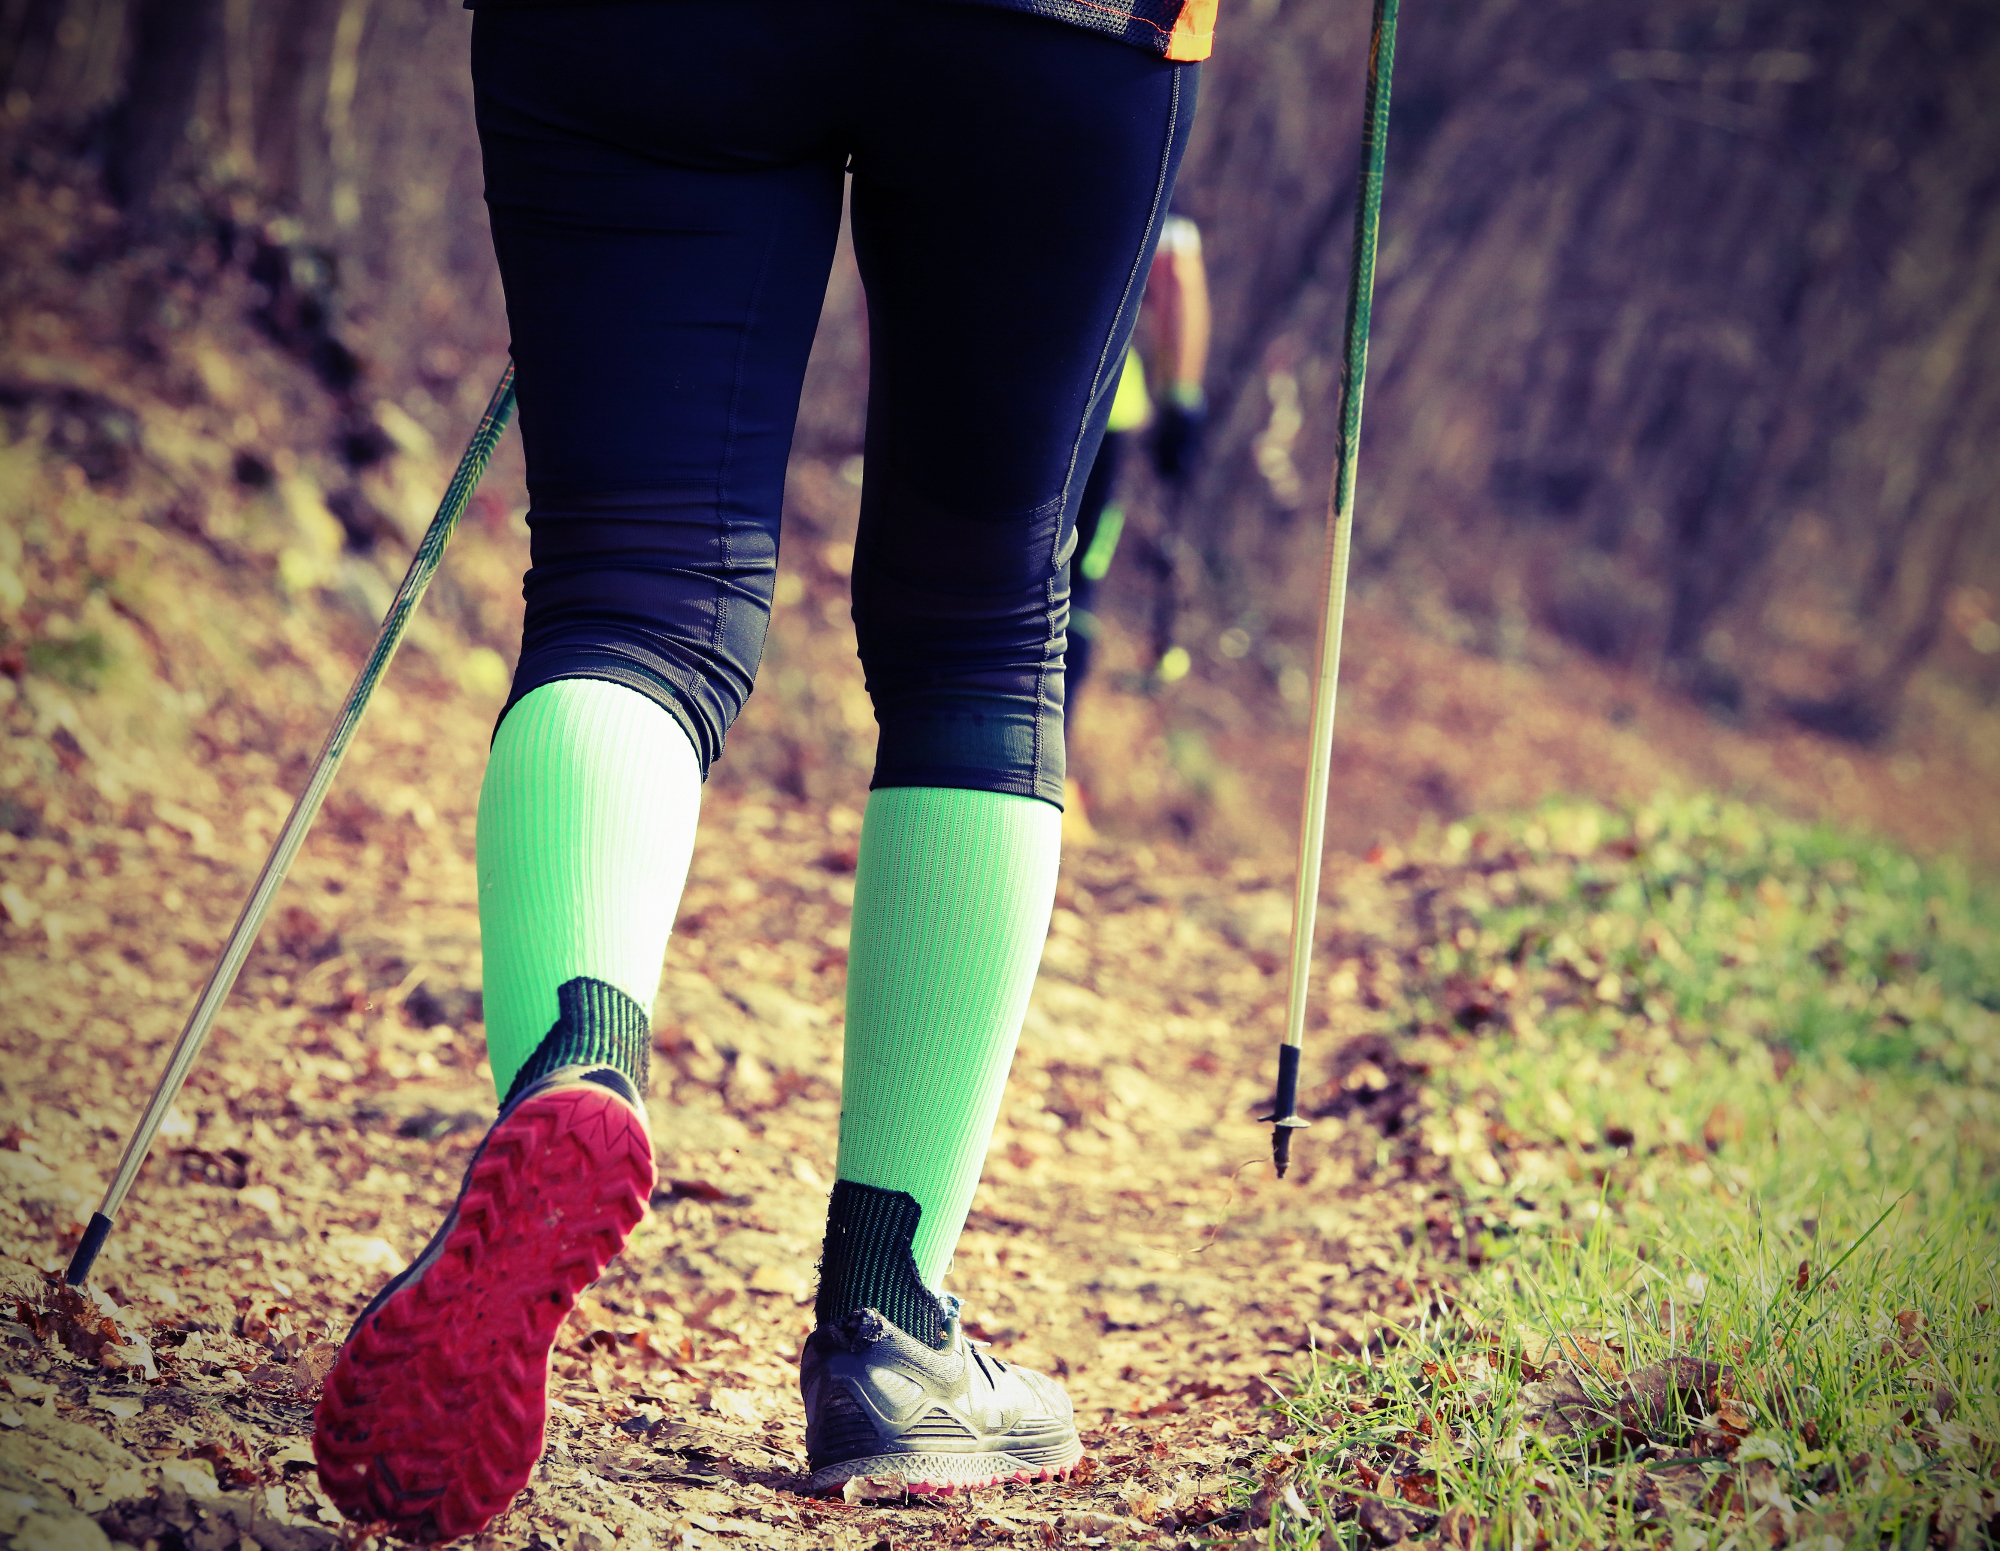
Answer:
x=962 y=641
x=652 y=589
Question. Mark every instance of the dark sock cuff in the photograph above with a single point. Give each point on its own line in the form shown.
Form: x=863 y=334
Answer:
x=596 y=1025
x=868 y=1263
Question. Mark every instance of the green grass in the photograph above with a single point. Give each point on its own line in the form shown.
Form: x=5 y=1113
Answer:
x=1722 y=1113
x=78 y=661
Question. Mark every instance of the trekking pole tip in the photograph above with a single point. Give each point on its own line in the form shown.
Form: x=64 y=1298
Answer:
x=86 y=1249
x=1284 y=1116
x=1282 y=1127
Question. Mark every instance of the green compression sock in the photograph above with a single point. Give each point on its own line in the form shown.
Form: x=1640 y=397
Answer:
x=951 y=907
x=586 y=823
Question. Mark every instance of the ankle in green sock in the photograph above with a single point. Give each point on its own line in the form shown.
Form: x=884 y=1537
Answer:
x=586 y=824
x=951 y=907
x=599 y=1026
x=868 y=1265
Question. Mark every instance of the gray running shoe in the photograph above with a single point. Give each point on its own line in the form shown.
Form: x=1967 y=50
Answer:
x=880 y=1404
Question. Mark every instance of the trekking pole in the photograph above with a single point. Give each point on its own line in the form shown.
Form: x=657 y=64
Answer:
x=422 y=567
x=1339 y=543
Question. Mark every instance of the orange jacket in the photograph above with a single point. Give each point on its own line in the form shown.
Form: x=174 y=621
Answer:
x=1176 y=29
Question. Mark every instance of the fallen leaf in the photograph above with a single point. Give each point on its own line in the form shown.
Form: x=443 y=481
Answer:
x=739 y=1405
x=228 y=1167
x=196 y=1477
x=1561 y=1409
x=689 y=1190
x=1418 y=1487
x=368 y=1252
x=89 y=1324
x=859 y=1489
x=1738 y=1416
x=1658 y=1393
x=1089 y=1522
x=789 y=1280
x=1384 y=1525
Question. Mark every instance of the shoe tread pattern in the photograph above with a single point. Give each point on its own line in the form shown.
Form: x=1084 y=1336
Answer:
x=433 y=1417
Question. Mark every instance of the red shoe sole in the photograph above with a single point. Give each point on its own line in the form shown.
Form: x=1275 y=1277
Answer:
x=1013 y=1478
x=433 y=1416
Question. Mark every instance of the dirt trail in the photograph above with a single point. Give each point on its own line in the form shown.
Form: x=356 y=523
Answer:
x=188 y=612
x=1120 y=1239
x=183 y=610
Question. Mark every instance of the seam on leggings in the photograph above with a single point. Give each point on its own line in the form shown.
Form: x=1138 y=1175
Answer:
x=1140 y=264
x=729 y=454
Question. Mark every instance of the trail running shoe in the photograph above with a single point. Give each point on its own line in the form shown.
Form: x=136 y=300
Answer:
x=432 y=1418
x=880 y=1404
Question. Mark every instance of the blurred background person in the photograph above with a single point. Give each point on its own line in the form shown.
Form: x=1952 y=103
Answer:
x=1168 y=358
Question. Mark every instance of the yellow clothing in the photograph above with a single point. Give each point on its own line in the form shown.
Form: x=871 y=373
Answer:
x=1131 y=407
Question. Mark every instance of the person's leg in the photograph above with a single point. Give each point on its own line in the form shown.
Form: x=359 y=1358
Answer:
x=951 y=904
x=586 y=825
x=1009 y=176
x=664 y=232
x=1008 y=187
x=664 y=209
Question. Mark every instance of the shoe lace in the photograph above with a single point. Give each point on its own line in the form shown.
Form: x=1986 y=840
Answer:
x=952 y=1307
x=987 y=1364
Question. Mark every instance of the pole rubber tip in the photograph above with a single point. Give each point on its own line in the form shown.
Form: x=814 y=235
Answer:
x=1281 y=1140
x=87 y=1248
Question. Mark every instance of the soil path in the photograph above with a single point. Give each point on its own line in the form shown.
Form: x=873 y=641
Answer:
x=1129 y=1235
x=180 y=611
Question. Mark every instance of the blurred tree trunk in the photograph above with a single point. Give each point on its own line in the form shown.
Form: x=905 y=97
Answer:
x=172 y=44
x=287 y=110
x=1660 y=288
x=1687 y=328
x=27 y=37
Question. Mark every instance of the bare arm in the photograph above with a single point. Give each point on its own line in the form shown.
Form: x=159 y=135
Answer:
x=1178 y=314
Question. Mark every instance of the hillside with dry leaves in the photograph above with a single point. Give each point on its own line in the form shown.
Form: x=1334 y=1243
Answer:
x=196 y=538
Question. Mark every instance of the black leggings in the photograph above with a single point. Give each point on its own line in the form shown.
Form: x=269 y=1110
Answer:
x=1083 y=622
x=665 y=182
